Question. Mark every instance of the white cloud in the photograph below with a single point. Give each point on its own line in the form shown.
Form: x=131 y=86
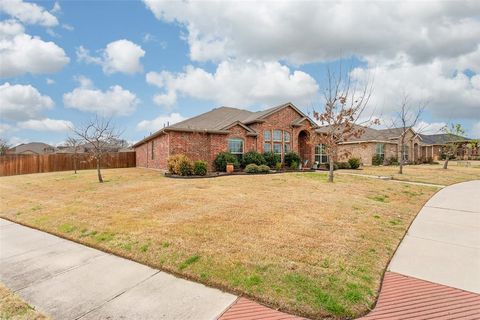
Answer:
x=68 y=27
x=160 y=122
x=49 y=81
x=115 y=101
x=56 y=8
x=46 y=125
x=236 y=83
x=449 y=94
x=15 y=141
x=118 y=56
x=22 y=102
x=424 y=127
x=310 y=31
x=21 y=53
x=29 y=13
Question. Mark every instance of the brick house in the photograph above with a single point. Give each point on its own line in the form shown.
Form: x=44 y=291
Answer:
x=280 y=129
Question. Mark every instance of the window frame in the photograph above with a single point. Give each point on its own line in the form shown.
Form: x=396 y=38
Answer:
x=285 y=145
x=269 y=146
x=381 y=154
x=406 y=153
x=321 y=154
x=281 y=135
x=236 y=152
x=277 y=144
x=269 y=132
x=285 y=134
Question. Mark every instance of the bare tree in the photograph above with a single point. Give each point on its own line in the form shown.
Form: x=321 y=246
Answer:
x=74 y=144
x=454 y=132
x=99 y=133
x=4 y=146
x=406 y=118
x=344 y=106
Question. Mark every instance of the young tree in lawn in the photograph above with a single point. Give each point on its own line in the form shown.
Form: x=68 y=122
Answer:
x=4 y=146
x=99 y=133
x=407 y=117
x=454 y=132
x=344 y=106
x=74 y=145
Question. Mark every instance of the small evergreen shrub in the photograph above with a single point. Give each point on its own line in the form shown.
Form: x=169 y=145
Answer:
x=377 y=160
x=343 y=165
x=327 y=166
x=223 y=158
x=291 y=157
x=278 y=166
x=263 y=168
x=200 y=168
x=180 y=164
x=252 y=168
x=354 y=163
x=392 y=161
x=271 y=159
x=294 y=165
x=253 y=157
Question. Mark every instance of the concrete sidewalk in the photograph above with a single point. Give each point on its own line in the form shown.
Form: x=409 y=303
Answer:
x=443 y=243
x=67 y=280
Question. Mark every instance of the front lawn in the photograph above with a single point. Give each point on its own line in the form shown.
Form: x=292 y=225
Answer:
x=12 y=307
x=292 y=241
x=428 y=173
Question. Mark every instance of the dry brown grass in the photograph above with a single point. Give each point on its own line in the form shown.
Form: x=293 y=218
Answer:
x=12 y=307
x=290 y=240
x=428 y=173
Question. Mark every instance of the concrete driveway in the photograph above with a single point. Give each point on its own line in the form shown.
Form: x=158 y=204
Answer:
x=443 y=243
x=67 y=280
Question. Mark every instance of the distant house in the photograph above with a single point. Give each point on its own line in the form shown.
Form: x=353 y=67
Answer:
x=32 y=148
x=280 y=129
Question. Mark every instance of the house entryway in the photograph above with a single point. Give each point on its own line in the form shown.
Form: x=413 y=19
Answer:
x=305 y=148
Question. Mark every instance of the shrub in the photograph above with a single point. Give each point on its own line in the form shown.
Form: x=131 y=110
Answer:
x=354 y=163
x=294 y=165
x=252 y=168
x=335 y=166
x=180 y=164
x=278 y=166
x=291 y=157
x=263 y=168
x=377 y=160
x=392 y=161
x=200 y=168
x=271 y=159
x=185 y=168
x=253 y=157
x=223 y=158
x=343 y=165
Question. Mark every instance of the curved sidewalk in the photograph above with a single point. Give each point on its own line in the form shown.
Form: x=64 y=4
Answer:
x=435 y=273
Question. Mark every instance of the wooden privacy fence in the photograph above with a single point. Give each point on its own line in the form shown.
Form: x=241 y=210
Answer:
x=22 y=164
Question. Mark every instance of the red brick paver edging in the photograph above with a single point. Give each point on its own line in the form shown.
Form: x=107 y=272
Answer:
x=401 y=298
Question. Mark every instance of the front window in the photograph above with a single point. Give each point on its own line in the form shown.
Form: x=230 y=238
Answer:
x=277 y=148
x=286 y=136
x=287 y=148
x=405 y=153
x=267 y=135
x=235 y=147
x=267 y=147
x=379 y=150
x=320 y=154
x=277 y=135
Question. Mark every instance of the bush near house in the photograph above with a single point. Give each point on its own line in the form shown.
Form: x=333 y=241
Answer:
x=200 y=168
x=223 y=158
x=253 y=157
x=354 y=163
x=377 y=160
x=294 y=165
x=392 y=161
x=251 y=168
x=271 y=159
x=180 y=164
x=343 y=165
x=263 y=168
x=335 y=166
x=291 y=157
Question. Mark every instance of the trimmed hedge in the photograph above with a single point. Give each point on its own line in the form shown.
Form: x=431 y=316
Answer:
x=222 y=159
x=253 y=157
x=180 y=164
x=252 y=168
x=271 y=159
x=200 y=168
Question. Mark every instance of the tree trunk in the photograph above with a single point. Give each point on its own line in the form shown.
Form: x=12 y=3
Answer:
x=400 y=171
x=330 y=169
x=445 y=164
x=100 y=179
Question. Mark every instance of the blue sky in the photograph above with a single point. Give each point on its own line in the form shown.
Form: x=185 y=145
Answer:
x=63 y=62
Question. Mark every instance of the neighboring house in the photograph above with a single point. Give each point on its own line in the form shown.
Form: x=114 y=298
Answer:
x=32 y=148
x=279 y=129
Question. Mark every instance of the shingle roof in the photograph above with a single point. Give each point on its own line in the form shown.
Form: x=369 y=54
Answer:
x=37 y=147
x=441 y=138
x=215 y=119
x=369 y=134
